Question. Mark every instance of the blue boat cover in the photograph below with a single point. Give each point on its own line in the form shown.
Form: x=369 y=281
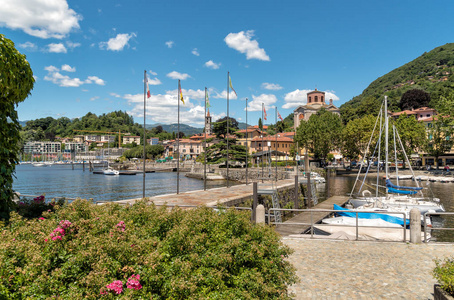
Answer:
x=389 y=184
x=387 y=218
x=396 y=191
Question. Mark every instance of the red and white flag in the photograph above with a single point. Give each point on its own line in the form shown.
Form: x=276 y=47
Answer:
x=264 y=112
x=279 y=116
x=148 y=90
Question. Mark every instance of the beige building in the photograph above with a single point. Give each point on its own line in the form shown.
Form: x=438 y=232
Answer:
x=315 y=101
x=129 y=139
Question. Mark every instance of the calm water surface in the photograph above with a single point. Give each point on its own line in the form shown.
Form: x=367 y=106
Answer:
x=63 y=181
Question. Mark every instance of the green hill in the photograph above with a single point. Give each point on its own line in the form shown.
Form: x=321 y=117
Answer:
x=432 y=72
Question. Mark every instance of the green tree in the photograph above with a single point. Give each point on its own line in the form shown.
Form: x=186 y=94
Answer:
x=320 y=134
x=356 y=135
x=439 y=132
x=220 y=127
x=16 y=82
x=412 y=134
x=414 y=98
x=260 y=124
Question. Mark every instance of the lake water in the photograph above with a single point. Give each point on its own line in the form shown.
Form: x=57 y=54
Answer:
x=63 y=181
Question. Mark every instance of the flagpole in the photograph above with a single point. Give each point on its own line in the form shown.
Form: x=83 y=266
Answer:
x=247 y=150
x=275 y=156
x=178 y=139
x=144 y=136
x=263 y=146
x=205 y=146
x=227 y=136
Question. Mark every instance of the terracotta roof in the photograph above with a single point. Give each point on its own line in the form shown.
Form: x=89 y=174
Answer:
x=273 y=139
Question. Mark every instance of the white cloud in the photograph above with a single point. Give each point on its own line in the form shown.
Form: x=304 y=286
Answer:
x=212 y=65
x=43 y=19
x=28 y=45
x=56 y=48
x=117 y=43
x=330 y=95
x=56 y=77
x=271 y=86
x=115 y=95
x=195 y=52
x=223 y=95
x=94 y=98
x=299 y=97
x=63 y=80
x=68 y=68
x=72 y=45
x=95 y=79
x=162 y=108
x=51 y=69
x=242 y=42
x=267 y=99
x=176 y=75
x=152 y=73
x=170 y=44
x=154 y=81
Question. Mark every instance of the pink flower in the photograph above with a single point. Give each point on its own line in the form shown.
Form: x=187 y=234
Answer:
x=45 y=240
x=133 y=282
x=14 y=239
x=65 y=224
x=121 y=226
x=57 y=234
x=116 y=286
x=39 y=199
x=41 y=218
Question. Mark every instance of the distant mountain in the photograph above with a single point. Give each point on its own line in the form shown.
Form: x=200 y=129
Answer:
x=23 y=123
x=431 y=72
x=186 y=129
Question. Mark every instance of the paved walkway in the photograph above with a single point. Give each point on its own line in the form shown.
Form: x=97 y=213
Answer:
x=364 y=270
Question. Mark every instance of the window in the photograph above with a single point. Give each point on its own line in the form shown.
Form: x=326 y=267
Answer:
x=315 y=98
x=310 y=99
x=321 y=98
x=428 y=115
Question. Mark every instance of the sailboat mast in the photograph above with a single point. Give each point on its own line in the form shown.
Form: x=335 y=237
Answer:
x=386 y=136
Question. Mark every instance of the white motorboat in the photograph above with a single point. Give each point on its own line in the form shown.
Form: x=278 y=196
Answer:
x=110 y=171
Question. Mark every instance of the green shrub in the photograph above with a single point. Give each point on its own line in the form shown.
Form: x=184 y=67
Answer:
x=33 y=208
x=444 y=274
x=90 y=251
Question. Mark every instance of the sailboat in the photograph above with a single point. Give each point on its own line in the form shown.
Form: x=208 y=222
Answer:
x=395 y=195
x=109 y=170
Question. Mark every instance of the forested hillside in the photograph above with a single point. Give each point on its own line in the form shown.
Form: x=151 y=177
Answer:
x=48 y=128
x=431 y=72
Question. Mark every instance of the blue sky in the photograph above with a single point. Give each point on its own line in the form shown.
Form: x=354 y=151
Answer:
x=90 y=56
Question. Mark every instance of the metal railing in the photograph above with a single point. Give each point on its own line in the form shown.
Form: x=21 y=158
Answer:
x=435 y=228
x=330 y=211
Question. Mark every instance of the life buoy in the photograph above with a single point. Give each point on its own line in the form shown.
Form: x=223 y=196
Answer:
x=366 y=193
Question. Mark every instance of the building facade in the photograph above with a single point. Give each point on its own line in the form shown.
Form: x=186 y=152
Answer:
x=315 y=101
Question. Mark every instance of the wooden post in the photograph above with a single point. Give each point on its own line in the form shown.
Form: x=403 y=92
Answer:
x=255 y=200
x=309 y=190
x=295 y=199
x=328 y=179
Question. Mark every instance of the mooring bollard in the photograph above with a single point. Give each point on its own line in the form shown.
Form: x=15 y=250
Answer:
x=415 y=226
x=260 y=218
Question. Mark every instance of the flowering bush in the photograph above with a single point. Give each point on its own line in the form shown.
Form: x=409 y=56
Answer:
x=141 y=252
x=33 y=208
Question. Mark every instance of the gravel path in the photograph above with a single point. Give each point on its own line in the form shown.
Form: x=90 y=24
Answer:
x=331 y=269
